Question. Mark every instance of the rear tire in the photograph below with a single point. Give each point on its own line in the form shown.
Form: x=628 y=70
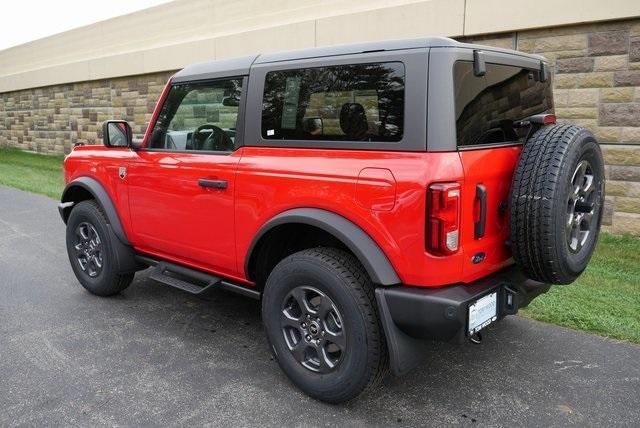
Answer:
x=557 y=202
x=91 y=252
x=352 y=356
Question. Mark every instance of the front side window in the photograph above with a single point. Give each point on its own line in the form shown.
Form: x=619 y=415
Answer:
x=487 y=106
x=360 y=102
x=199 y=117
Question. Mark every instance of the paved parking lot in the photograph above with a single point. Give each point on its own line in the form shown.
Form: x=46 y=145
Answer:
x=157 y=356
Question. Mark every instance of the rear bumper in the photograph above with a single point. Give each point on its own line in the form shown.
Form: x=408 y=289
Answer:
x=412 y=315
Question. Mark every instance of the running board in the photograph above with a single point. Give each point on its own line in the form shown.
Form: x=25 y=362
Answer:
x=192 y=281
x=185 y=279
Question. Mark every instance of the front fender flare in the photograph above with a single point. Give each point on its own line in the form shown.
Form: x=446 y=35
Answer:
x=366 y=250
x=101 y=196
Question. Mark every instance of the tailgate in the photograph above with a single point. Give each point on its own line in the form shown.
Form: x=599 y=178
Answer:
x=487 y=181
x=489 y=109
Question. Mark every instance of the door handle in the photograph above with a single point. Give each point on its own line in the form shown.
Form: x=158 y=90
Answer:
x=481 y=197
x=213 y=184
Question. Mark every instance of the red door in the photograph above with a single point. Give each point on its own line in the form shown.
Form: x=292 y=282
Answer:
x=182 y=184
x=182 y=207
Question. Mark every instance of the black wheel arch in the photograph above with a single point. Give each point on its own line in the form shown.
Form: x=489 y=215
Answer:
x=84 y=188
x=78 y=190
x=365 y=249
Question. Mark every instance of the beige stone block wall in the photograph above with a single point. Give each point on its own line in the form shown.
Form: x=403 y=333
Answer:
x=54 y=118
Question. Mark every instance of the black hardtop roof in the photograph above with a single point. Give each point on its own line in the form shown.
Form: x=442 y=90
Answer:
x=240 y=66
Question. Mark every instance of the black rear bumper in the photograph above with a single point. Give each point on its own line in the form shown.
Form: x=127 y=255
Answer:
x=412 y=315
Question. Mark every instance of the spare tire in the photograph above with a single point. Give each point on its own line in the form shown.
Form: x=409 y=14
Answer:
x=556 y=206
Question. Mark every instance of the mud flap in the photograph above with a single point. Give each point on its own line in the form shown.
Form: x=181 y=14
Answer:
x=405 y=352
x=125 y=255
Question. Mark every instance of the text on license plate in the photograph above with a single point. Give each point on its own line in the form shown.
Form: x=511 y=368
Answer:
x=483 y=312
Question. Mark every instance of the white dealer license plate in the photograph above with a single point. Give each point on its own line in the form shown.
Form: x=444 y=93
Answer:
x=483 y=312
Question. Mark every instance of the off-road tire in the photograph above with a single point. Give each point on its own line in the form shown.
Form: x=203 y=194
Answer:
x=541 y=203
x=109 y=280
x=341 y=277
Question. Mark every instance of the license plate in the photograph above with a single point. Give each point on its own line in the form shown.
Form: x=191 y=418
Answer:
x=483 y=312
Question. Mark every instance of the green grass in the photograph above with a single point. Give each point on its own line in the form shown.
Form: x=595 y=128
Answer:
x=32 y=172
x=605 y=300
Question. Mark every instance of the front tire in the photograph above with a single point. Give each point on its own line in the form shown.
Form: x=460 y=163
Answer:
x=321 y=320
x=91 y=252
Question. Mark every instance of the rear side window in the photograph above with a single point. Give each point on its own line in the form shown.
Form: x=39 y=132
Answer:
x=488 y=106
x=360 y=102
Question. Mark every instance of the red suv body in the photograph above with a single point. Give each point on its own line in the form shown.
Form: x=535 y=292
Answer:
x=401 y=154
x=214 y=229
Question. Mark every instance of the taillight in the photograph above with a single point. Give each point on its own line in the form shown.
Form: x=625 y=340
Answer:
x=443 y=218
x=549 y=119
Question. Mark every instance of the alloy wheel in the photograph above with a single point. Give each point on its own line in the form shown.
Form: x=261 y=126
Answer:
x=580 y=206
x=88 y=248
x=313 y=329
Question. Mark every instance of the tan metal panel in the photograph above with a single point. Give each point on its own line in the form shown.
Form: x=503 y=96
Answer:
x=426 y=18
x=493 y=16
x=281 y=38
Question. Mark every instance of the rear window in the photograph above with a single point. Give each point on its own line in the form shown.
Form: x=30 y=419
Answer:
x=487 y=106
x=360 y=102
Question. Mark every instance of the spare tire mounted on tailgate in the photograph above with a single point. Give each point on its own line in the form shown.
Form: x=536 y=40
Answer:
x=557 y=201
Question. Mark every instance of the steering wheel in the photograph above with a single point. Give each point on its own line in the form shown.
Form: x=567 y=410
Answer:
x=218 y=140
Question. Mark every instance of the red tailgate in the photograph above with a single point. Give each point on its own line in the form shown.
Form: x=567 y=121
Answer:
x=487 y=175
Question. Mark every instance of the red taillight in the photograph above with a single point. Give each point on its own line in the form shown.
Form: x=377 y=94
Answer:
x=549 y=119
x=443 y=218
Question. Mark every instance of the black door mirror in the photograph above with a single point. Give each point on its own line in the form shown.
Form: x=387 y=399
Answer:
x=313 y=126
x=116 y=133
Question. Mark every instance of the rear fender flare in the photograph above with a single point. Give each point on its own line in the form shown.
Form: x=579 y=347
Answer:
x=366 y=250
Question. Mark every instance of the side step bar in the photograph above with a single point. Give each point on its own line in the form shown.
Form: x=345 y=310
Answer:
x=185 y=279
x=192 y=281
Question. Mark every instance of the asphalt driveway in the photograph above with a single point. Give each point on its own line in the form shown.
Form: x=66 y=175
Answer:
x=157 y=356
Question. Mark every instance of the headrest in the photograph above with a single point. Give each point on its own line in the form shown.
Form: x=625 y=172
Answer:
x=353 y=121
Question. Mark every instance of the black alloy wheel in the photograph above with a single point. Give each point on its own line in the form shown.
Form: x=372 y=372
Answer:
x=313 y=329
x=580 y=206
x=88 y=247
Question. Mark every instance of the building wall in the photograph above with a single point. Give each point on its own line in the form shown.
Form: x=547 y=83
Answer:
x=171 y=35
x=55 y=118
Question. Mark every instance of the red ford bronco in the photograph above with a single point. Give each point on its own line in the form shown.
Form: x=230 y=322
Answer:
x=373 y=196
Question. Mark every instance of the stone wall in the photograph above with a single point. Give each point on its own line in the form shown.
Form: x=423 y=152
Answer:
x=54 y=118
x=596 y=84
